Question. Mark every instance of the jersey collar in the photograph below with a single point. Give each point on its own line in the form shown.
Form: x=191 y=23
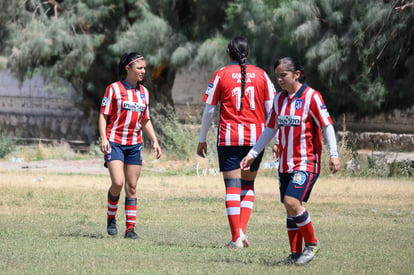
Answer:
x=127 y=86
x=234 y=62
x=299 y=92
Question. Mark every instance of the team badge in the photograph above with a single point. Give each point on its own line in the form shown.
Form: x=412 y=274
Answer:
x=143 y=98
x=299 y=104
x=299 y=178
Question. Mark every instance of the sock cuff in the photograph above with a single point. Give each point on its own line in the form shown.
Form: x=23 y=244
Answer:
x=131 y=201
x=112 y=197
x=233 y=183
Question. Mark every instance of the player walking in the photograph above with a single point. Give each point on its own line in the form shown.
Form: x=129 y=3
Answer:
x=124 y=113
x=299 y=113
x=245 y=94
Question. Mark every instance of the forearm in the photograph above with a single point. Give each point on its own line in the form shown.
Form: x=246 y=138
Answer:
x=264 y=139
x=206 y=120
x=149 y=130
x=102 y=126
x=330 y=138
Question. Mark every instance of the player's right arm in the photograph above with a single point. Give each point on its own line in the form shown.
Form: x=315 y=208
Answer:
x=102 y=123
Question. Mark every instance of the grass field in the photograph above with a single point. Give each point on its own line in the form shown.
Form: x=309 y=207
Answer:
x=55 y=223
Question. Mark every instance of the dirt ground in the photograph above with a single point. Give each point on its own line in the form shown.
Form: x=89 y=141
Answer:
x=95 y=166
x=90 y=166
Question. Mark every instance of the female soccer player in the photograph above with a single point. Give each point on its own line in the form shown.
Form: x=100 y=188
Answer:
x=245 y=94
x=124 y=113
x=299 y=113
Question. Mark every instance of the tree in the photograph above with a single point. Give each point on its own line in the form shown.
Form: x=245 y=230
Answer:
x=359 y=51
x=81 y=41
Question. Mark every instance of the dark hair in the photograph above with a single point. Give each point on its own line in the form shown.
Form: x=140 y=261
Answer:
x=292 y=64
x=127 y=59
x=239 y=50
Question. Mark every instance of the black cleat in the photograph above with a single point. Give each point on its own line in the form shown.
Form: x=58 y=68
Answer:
x=130 y=234
x=111 y=227
x=290 y=260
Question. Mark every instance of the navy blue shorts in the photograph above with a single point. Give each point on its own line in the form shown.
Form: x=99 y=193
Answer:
x=231 y=156
x=128 y=154
x=298 y=184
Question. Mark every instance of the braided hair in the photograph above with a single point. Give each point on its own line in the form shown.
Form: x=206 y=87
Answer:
x=126 y=60
x=239 y=50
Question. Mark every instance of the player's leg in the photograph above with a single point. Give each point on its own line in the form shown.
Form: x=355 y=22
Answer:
x=247 y=197
x=298 y=190
x=232 y=182
x=133 y=162
x=294 y=235
x=116 y=171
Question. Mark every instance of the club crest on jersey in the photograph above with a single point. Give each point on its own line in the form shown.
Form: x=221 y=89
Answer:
x=143 y=98
x=289 y=121
x=299 y=178
x=105 y=101
x=299 y=104
x=133 y=106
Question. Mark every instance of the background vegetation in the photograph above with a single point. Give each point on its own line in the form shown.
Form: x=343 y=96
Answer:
x=359 y=51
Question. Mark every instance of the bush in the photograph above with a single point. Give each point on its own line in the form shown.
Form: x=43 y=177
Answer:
x=7 y=145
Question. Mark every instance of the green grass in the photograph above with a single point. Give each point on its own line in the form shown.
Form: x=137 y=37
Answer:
x=57 y=226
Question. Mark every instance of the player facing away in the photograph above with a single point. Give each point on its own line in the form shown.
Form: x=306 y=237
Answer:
x=245 y=94
x=124 y=114
x=298 y=114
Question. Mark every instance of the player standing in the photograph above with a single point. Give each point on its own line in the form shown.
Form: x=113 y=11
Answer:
x=245 y=94
x=124 y=113
x=299 y=113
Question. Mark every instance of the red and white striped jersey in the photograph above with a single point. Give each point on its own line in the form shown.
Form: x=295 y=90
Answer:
x=240 y=127
x=300 y=119
x=126 y=107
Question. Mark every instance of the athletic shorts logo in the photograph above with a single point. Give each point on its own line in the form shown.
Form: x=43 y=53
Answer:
x=299 y=179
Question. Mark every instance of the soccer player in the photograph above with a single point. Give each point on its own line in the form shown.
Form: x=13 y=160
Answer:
x=124 y=113
x=245 y=94
x=299 y=113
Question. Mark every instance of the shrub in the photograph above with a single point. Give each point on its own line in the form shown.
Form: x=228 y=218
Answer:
x=7 y=145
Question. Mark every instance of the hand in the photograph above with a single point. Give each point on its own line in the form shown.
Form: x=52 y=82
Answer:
x=334 y=165
x=276 y=151
x=105 y=146
x=246 y=162
x=202 y=149
x=157 y=150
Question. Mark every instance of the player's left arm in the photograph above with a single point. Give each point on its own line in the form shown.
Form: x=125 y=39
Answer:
x=323 y=119
x=149 y=130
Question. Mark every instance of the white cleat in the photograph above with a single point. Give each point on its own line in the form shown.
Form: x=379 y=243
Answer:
x=244 y=239
x=237 y=244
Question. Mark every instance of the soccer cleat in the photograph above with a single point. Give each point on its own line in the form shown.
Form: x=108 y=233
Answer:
x=291 y=259
x=130 y=234
x=308 y=253
x=244 y=239
x=111 y=227
x=237 y=244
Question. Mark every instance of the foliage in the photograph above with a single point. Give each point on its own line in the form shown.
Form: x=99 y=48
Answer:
x=74 y=40
x=7 y=145
x=359 y=51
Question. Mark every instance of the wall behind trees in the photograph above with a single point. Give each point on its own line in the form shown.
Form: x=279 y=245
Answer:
x=28 y=111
